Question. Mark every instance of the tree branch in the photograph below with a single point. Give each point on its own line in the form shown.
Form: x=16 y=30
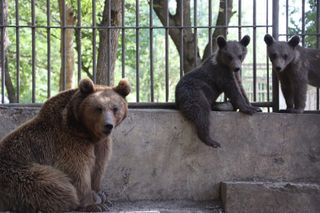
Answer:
x=221 y=21
x=181 y=18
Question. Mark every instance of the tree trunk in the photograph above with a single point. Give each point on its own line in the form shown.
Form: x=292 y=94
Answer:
x=68 y=36
x=183 y=9
x=8 y=82
x=222 y=20
x=108 y=42
x=189 y=44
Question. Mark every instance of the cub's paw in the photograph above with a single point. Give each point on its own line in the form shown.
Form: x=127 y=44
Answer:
x=297 y=111
x=257 y=109
x=250 y=110
x=94 y=208
x=213 y=144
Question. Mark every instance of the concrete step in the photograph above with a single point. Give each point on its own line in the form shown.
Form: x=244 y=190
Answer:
x=267 y=197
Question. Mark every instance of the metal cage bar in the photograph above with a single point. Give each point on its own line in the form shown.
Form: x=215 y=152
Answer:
x=17 y=52
x=275 y=34
x=33 y=54
x=137 y=53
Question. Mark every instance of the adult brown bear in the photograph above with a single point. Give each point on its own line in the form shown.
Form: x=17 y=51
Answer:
x=55 y=162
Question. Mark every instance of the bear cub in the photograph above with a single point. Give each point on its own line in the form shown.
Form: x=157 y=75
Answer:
x=56 y=161
x=197 y=91
x=295 y=67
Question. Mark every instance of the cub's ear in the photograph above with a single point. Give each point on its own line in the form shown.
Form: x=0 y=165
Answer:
x=245 y=40
x=221 y=41
x=268 y=39
x=86 y=86
x=294 y=41
x=123 y=88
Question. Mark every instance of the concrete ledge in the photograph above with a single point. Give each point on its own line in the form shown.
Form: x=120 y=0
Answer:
x=157 y=155
x=260 y=197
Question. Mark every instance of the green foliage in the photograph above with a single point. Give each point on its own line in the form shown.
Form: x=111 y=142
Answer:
x=310 y=37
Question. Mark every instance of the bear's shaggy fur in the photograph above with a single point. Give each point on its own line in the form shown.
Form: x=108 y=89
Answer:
x=55 y=162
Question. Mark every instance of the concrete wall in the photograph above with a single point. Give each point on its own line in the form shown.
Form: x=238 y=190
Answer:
x=157 y=154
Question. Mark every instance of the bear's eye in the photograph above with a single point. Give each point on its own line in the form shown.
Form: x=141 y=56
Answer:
x=285 y=56
x=230 y=57
x=98 y=109
x=240 y=57
x=273 y=56
x=115 y=109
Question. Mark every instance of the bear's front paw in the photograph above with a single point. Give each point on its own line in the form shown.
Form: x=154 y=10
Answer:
x=213 y=143
x=250 y=110
x=257 y=109
x=297 y=111
x=102 y=197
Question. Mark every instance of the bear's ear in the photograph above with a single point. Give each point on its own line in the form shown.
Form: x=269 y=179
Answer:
x=245 y=40
x=294 y=41
x=221 y=41
x=123 y=88
x=86 y=86
x=268 y=39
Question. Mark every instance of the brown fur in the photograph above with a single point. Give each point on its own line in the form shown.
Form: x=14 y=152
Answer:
x=55 y=162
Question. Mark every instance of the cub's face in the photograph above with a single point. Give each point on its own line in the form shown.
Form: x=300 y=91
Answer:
x=232 y=53
x=103 y=107
x=281 y=53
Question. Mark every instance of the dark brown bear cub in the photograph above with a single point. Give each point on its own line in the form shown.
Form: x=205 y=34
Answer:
x=55 y=162
x=198 y=90
x=296 y=67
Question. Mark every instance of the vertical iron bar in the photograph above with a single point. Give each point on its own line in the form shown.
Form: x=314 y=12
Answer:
x=109 y=42
x=268 y=67
x=195 y=33
x=79 y=39
x=239 y=19
x=287 y=20
x=64 y=51
x=275 y=34
x=137 y=53
x=2 y=52
x=225 y=31
x=17 y=52
x=151 y=50
x=167 y=50
x=123 y=45
x=303 y=24
x=94 y=42
x=181 y=40
x=48 y=49
x=210 y=26
x=33 y=32
x=225 y=18
x=254 y=51
x=318 y=44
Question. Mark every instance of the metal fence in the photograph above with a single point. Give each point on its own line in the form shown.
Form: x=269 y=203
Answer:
x=152 y=43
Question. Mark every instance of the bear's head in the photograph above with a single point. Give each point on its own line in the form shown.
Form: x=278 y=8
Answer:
x=95 y=110
x=281 y=53
x=232 y=53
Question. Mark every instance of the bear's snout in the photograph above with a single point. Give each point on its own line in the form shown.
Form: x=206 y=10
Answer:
x=108 y=123
x=278 y=68
x=236 y=69
x=108 y=127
